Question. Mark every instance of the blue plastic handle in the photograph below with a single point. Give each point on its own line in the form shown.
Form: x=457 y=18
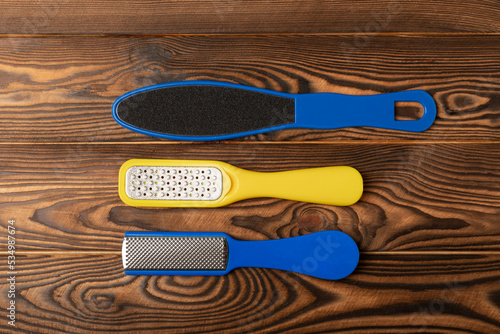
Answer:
x=329 y=255
x=328 y=110
x=314 y=111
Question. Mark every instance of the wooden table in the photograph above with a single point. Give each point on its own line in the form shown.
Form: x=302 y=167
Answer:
x=428 y=224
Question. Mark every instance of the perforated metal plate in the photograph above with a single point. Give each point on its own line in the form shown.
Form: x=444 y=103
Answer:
x=175 y=253
x=173 y=183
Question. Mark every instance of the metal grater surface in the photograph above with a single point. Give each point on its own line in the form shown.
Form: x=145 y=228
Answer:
x=175 y=253
x=173 y=183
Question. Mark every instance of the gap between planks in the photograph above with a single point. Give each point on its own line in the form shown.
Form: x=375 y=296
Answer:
x=256 y=142
x=367 y=34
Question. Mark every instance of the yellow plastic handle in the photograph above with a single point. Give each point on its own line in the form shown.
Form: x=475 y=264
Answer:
x=339 y=185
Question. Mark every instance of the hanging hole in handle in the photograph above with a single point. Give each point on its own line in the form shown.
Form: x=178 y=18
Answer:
x=408 y=111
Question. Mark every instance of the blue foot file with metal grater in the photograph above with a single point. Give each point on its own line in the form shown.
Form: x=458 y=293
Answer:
x=329 y=255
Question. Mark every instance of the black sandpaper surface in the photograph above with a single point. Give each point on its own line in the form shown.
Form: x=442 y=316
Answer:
x=203 y=110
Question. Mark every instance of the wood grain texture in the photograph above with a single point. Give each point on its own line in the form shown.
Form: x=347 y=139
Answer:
x=224 y=16
x=62 y=88
x=428 y=223
x=416 y=197
x=78 y=293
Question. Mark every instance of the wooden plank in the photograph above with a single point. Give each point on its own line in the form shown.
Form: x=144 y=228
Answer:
x=82 y=293
x=62 y=88
x=222 y=16
x=416 y=197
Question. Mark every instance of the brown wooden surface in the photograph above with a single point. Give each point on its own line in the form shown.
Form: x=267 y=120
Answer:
x=389 y=293
x=61 y=88
x=238 y=16
x=416 y=197
x=428 y=223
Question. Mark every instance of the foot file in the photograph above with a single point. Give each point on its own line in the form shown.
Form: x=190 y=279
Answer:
x=202 y=183
x=205 y=110
x=328 y=255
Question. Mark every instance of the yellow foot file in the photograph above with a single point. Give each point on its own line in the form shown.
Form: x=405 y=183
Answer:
x=204 y=183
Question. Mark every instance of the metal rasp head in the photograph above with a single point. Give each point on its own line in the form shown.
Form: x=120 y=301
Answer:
x=188 y=183
x=175 y=253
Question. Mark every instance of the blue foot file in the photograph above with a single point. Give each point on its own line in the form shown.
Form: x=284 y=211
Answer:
x=329 y=255
x=209 y=110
